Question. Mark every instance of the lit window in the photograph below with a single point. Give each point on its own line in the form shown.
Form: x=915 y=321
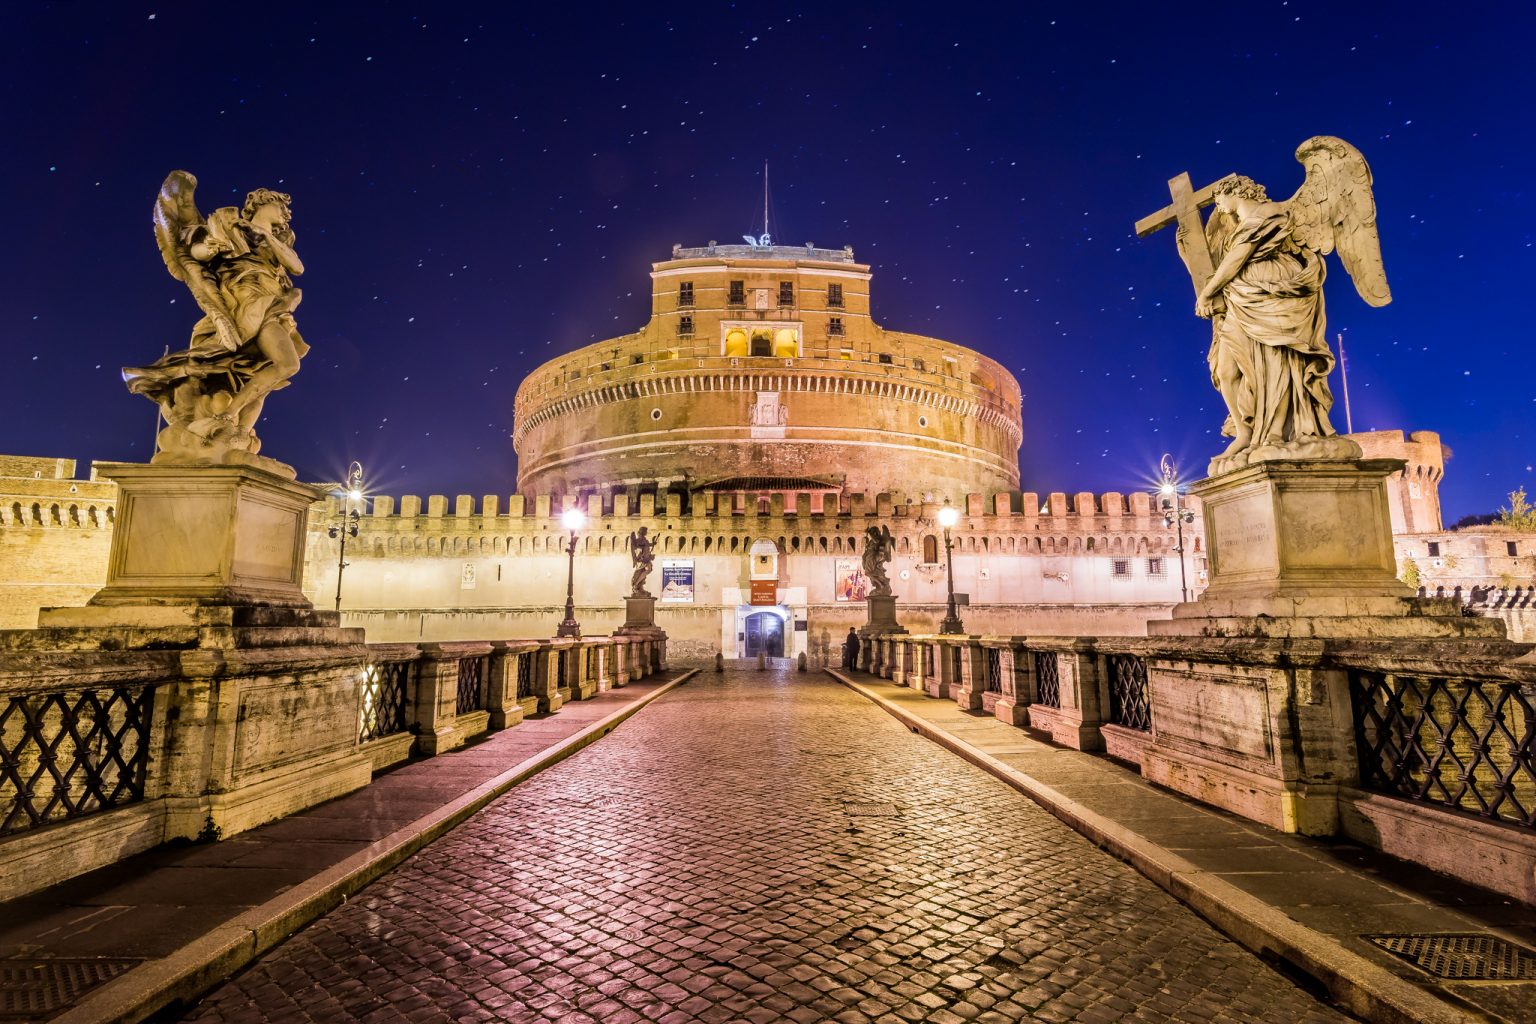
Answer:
x=835 y=296
x=1121 y=568
x=685 y=294
x=835 y=326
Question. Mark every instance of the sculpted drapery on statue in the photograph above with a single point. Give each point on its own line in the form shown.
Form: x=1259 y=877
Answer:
x=238 y=264
x=879 y=548
x=642 y=554
x=1260 y=282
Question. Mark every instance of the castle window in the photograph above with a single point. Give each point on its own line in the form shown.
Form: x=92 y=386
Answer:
x=1512 y=547
x=930 y=550
x=885 y=357
x=762 y=343
x=1434 y=547
x=835 y=326
x=1157 y=567
x=685 y=294
x=738 y=294
x=685 y=326
x=636 y=359
x=834 y=296
x=845 y=353
x=1121 y=568
x=917 y=364
x=786 y=293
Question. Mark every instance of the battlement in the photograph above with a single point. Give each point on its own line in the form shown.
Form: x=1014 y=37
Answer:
x=1020 y=508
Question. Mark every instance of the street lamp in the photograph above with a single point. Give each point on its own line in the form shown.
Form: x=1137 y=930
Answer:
x=1175 y=515
x=346 y=524
x=948 y=517
x=573 y=520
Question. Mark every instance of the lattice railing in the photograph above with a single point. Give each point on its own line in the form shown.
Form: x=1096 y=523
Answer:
x=525 y=674
x=73 y=753
x=381 y=699
x=1129 y=705
x=1047 y=679
x=563 y=669
x=993 y=664
x=1463 y=743
x=473 y=684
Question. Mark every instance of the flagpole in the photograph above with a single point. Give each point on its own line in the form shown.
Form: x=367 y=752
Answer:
x=1349 y=422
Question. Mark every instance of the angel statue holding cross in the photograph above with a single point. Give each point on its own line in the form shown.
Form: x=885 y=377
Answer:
x=1258 y=271
x=239 y=265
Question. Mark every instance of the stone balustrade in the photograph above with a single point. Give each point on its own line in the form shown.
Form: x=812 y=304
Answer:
x=108 y=752
x=1425 y=749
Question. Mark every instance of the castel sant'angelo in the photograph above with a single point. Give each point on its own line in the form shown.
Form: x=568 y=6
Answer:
x=757 y=425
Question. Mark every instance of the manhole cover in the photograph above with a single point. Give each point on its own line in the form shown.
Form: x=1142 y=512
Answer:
x=34 y=987
x=1465 y=957
x=870 y=809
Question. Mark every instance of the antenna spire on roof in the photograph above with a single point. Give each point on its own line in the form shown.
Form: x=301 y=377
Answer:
x=766 y=240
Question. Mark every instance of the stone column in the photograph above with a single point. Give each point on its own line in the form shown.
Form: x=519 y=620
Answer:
x=1018 y=682
x=502 y=701
x=968 y=689
x=546 y=681
x=1084 y=700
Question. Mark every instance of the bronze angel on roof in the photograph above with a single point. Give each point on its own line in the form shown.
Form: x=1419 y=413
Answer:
x=239 y=264
x=1269 y=354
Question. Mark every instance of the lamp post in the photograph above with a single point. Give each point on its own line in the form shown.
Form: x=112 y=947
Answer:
x=948 y=517
x=1175 y=515
x=346 y=526
x=573 y=520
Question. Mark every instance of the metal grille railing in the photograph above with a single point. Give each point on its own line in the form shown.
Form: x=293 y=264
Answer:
x=524 y=675
x=564 y=670
x=1047 y=679
x=69 y=754
x=381 y=699
x=994 y=673
x=472 y=684
x=1464 y=743
x=1128 y=702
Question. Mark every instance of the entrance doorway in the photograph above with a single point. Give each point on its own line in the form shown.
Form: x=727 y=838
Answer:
x=765 y=634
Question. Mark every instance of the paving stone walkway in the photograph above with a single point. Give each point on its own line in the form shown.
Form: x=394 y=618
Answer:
x=761 y=846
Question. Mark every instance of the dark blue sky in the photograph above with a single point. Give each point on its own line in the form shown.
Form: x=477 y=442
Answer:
x=477 y=190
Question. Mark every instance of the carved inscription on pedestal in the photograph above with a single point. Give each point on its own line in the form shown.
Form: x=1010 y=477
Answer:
x=1243 y=535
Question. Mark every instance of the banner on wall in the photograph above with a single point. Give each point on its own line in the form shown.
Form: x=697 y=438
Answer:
x=851 y=584
x=677 y=581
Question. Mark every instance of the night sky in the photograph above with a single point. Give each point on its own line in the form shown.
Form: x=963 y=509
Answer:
x=476 y=191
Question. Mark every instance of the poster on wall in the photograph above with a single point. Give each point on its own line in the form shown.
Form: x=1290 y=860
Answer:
x=677 y=581
x=851 y=583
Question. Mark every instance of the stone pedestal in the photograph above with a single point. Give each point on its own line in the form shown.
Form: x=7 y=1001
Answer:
x=219 y=535
x=1246 y=713
x=639 y=613
x=882 y=616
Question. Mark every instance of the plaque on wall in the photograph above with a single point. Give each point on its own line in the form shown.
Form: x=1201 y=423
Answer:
x=765 y=592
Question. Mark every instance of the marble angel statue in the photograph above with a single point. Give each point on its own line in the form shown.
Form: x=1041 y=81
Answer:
x=1269 y=355
x=642 y=555
x=879 y=548
x=239 y=265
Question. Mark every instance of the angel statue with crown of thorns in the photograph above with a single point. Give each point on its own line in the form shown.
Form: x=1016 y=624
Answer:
x=1260 y=282
x=239 y=264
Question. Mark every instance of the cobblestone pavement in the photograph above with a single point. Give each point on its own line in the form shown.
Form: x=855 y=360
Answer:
x=761 y=847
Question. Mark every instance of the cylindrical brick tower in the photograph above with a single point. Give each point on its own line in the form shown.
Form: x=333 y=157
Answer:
x=760 y=369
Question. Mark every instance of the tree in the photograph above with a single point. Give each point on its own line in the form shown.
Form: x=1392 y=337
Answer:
x=1520 y=515
x=1410 y=574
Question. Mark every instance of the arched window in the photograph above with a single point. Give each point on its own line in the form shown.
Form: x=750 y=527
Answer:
x=930 y=549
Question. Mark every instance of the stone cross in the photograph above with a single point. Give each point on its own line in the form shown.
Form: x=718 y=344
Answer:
x=1185 y=211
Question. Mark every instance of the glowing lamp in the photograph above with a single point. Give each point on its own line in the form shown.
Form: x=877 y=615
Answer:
x=948 y=517
x=572 y=519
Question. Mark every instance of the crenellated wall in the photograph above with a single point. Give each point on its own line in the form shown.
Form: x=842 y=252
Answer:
x=446 y=569
x=55 y=533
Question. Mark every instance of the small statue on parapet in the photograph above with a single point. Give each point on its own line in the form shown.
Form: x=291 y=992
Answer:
x=642 y=554
x=239 y=265
x=879 y=549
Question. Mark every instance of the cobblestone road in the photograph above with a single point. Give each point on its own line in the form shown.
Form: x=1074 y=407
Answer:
x=761 y=847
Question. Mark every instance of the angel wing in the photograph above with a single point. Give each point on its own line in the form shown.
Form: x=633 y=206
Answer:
x=1335 y=208
x=175 y=212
